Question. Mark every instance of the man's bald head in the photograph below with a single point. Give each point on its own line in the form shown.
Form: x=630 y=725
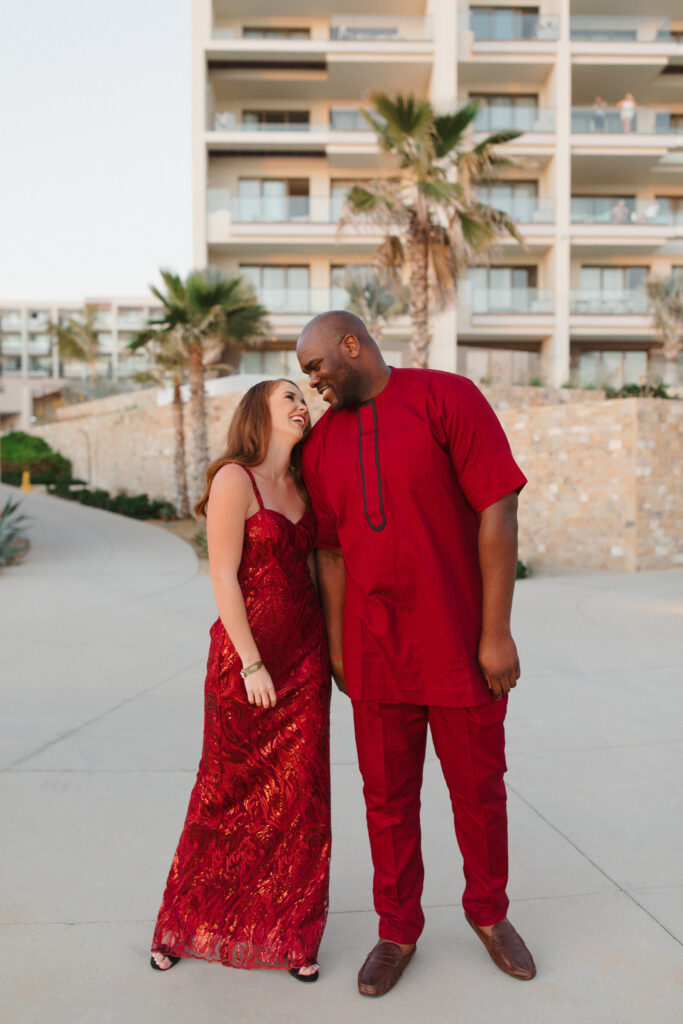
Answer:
x=329 y=328
x=341 y=358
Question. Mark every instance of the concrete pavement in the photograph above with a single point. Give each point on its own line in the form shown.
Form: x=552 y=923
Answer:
x=104 y=640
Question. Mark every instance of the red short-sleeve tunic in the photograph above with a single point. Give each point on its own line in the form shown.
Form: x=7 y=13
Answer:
x=397 y=483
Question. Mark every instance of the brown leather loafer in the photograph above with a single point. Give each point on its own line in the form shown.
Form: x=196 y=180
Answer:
x=507 y=950
x=383 y=966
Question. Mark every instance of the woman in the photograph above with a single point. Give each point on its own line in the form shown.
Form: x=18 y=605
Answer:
x=249 y=882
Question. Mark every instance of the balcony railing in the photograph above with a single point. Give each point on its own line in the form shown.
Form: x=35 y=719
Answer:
x=526 y=119
x=496 y=25
x=340 y=121
x=605 y=28
x=511 y=300
x=608 y=302
x=276 y=209
x=357 y=28
x=624 y=211
x=381 y=28
x=611 y=120
x=524 y=209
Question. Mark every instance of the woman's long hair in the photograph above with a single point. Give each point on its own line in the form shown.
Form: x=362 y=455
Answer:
x=249 y=437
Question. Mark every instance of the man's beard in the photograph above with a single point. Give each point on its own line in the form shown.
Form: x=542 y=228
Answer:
x=347 y=388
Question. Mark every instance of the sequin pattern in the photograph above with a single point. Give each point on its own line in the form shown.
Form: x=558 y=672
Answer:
x=248 y=885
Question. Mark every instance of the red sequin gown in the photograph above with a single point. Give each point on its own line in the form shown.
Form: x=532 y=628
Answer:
x=249 y=881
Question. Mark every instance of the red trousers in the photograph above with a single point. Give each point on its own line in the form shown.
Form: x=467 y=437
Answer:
x=470 y=744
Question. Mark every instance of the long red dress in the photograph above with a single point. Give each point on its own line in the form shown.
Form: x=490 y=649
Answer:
x=249 y=881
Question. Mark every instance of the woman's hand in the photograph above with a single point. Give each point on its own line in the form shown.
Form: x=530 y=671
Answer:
x=260 y=689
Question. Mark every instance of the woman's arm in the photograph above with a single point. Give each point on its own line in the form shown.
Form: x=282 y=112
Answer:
x=229 y=501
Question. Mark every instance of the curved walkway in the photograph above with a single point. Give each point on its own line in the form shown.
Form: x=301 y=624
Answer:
x=104 y=638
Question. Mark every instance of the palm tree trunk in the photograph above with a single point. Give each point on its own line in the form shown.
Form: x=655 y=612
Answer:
x=418 y=259
x=200 y=443
x=182 y=500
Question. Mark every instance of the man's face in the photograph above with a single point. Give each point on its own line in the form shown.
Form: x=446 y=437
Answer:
x=331 y=372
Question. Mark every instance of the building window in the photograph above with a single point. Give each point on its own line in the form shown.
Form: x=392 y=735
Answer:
x=603 y=209
x=504 y=23
x=506 y=110
x=503 y=289
x=611 y=290
x=611 y=367
x=272 y=199
x=281 y=289
x=348 y=119
x=516 y=198
x=258 y=32
x=671 y=209
x=296 y=120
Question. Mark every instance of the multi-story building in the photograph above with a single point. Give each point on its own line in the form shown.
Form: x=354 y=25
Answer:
x=597 y=186
x=28 y=349
x=30 y=365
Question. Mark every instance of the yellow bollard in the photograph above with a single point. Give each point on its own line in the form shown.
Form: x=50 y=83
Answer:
x=26 y=481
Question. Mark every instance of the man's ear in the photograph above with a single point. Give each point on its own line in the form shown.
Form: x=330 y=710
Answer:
x=351 y=345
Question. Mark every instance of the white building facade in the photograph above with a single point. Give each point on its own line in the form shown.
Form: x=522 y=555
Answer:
x=597 y=186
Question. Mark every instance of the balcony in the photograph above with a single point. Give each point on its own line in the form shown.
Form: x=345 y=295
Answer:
x=512 y=25
x=619 y=211
x=609 y=29
x=525 y=119
x=524 y=209
x=613 y=121
x=608 y=302
x=382 y=28
x=510 y=301
x=275 y=209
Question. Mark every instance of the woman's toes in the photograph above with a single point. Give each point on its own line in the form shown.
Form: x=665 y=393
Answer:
x=308 y=969
x=162 y=961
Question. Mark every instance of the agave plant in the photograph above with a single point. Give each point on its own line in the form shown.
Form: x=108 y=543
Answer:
x=13 y=544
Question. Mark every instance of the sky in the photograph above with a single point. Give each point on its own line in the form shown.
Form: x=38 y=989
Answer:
x=95 y=146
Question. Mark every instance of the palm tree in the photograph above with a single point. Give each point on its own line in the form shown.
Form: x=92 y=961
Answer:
x=78 y=338
x=169 y=366
x=206 y=312
x=370 y=299
x=665 y=298
x=433 y=225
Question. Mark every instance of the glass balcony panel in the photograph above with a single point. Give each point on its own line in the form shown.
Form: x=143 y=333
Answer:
x=612 y=120
x=621 y=210
x=11 y=365
x=347 y=120
x=379 y=28
x=40 y=365
x=10 y=320
x=607 y=28
x=524 y=118
x=500 y=24
x=511 y=300
x=38 y=319
x=608 y=301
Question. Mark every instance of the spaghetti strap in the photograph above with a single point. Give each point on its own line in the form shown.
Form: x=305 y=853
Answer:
x=253 y=484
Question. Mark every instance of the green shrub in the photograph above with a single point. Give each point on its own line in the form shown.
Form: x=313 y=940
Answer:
x=201 y=542
x=12 y=542
x=522 y=571
x=636 y=391
x=136 y=506
x=22 y=451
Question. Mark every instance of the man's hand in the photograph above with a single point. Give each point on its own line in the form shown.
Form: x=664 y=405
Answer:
x=499 y=663
x=338 y=674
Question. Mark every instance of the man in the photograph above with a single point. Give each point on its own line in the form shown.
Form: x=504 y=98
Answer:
x=414 y=490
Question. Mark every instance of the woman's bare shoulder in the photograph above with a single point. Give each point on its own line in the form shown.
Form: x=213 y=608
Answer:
x=231 y=485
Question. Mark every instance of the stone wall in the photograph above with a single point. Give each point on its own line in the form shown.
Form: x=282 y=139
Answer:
x=605 y=483
x=605 y=477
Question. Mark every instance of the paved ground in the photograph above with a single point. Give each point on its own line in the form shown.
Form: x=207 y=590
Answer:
x=104 y=638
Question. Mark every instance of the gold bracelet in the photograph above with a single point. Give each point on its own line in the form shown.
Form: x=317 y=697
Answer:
x=244 y=672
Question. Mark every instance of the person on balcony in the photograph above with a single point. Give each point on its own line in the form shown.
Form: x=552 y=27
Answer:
x=627 y=112
x=414 y=489
x=598 y=114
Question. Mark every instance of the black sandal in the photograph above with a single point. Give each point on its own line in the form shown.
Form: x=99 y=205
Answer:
x=174 y=960
x=295 y=972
